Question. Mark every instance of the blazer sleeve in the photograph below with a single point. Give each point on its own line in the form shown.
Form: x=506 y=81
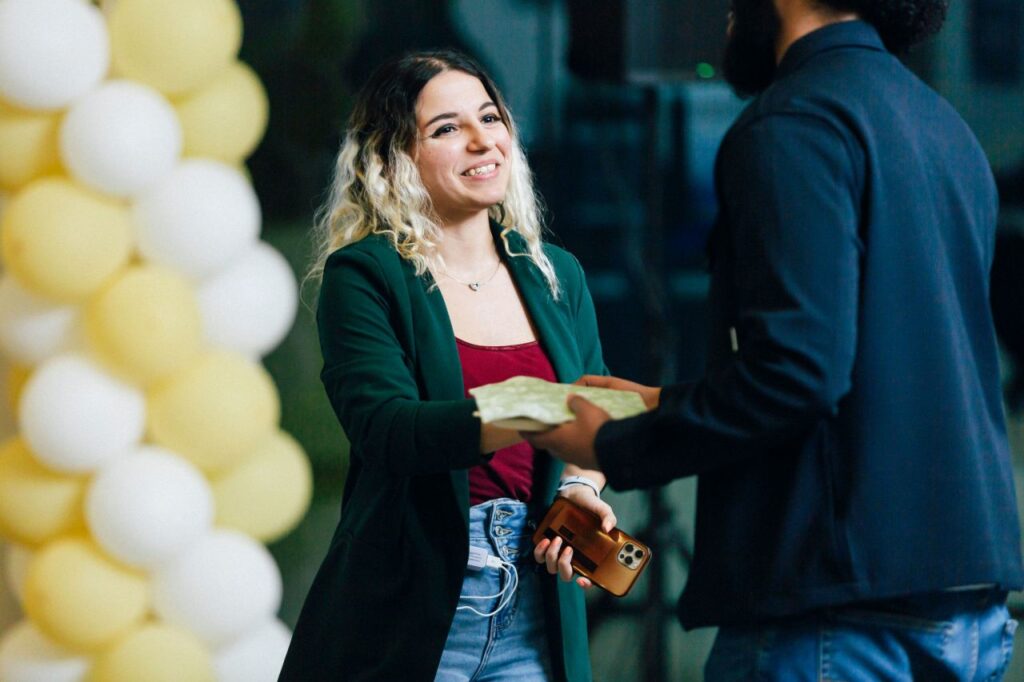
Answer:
x=790 y=189
x=370 y=383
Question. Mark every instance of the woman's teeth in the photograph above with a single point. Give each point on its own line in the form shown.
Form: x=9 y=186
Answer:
x=480 y=170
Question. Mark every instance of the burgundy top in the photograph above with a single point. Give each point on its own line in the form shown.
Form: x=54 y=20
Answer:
x=510 y=472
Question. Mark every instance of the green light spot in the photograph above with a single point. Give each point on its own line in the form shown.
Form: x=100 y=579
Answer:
x=705 y=70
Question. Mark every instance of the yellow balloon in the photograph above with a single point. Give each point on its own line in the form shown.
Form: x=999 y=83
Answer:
x=29 y=141
x=174 y=46
x=17 y=377
x=267 y=494
x=155 y=653
x=216 y=412
x=225 y=119
x=146 y=324
x=63 y=241
x=5 y=199
x=80 y=598
x=36 y=504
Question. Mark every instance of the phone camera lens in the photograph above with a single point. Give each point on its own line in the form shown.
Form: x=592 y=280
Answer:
x=628 y=560
x=639 y=554
x=629 y=547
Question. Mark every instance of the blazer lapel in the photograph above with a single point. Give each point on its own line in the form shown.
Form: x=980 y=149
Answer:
x=557 y=337
x=437 y=361
x=550 y=318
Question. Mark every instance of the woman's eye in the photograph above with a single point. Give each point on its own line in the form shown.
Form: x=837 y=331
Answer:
x=491 y=118
x=443 y=130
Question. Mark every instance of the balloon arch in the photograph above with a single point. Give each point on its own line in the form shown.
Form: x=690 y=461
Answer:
x=147 y=467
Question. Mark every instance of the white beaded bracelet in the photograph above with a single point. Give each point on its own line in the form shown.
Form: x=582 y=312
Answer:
x=578 y=480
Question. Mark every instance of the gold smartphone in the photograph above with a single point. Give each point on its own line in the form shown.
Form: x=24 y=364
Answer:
x=612 y=561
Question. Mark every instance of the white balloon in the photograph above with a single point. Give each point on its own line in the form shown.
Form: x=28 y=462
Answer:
x=197 y=219
x=75 y=417
x=256 y=656
x=28 y=656
x=16 y=560
x=224 y=585
x=146 y=508
x=51 y=51
x=33 y=328
x=121 y=138
x=250 y=305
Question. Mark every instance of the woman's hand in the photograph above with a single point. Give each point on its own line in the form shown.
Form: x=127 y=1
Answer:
x=494 y=438
x=554 y=554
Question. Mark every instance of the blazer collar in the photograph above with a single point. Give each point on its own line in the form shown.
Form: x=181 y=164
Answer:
x=841 y=34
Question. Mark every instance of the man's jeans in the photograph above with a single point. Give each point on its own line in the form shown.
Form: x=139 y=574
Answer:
x=931 y=638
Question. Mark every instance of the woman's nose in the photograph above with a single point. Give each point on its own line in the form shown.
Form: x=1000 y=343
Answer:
x=480 y=138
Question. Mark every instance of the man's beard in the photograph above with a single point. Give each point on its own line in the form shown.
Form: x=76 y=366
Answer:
x=749 y=59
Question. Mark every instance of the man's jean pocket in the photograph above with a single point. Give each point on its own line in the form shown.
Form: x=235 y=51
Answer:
x=936 y=637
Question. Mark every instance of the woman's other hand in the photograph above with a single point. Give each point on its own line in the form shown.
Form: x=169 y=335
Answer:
x=554 y=554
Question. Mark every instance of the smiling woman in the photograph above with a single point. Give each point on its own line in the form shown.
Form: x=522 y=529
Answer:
x=461 y=155
x=434 y=280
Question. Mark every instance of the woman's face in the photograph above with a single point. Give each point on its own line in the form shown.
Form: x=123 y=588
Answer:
x=462 y=148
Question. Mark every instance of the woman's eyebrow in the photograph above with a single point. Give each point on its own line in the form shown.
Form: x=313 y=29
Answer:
x=451 y=114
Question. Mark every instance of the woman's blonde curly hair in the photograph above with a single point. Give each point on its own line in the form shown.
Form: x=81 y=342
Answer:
x=377 y=188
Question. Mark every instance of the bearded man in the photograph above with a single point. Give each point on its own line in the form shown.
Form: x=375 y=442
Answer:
x=856 y=517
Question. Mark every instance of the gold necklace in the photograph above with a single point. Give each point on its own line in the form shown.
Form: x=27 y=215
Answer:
x=475 y=285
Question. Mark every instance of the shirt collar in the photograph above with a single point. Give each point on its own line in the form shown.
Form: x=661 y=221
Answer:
x=841 y=34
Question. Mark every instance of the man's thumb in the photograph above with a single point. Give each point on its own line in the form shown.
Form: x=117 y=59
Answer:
x=577 y=403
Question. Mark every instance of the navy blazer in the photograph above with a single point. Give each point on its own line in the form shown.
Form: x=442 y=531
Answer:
x=848 y=435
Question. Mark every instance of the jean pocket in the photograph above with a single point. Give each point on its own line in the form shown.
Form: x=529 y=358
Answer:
x=1009 y=628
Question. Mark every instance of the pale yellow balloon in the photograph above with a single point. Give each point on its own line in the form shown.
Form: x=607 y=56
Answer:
x=268 y=493
x=174 y=46
x=155 y=653
x=216 y=412
x=63 y=241
x=17 y=377
x=225 y=119
x=146 y=324
x=36 y=504
x=29 y=143
x=80 y=598
x=8 y=409
x=5 y=199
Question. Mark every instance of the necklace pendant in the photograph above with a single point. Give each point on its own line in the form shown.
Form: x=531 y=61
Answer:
x=475 y=286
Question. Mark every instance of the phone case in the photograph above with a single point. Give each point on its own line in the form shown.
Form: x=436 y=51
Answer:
x=612 y=561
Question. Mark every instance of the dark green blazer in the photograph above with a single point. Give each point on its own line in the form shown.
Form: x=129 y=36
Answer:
x=383 y=601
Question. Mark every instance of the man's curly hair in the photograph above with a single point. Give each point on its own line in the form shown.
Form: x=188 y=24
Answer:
x=901 y=23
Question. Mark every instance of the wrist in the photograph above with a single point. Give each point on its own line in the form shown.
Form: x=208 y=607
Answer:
x=574 y=481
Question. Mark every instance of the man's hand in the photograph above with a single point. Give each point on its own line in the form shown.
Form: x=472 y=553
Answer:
x=573 y=442
x=650 y=394
x=554 y=554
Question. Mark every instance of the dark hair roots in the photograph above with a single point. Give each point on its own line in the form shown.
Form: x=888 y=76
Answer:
x=901 y=23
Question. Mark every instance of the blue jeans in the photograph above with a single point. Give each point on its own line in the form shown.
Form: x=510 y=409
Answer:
x=512 y=644
x=935 y=637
